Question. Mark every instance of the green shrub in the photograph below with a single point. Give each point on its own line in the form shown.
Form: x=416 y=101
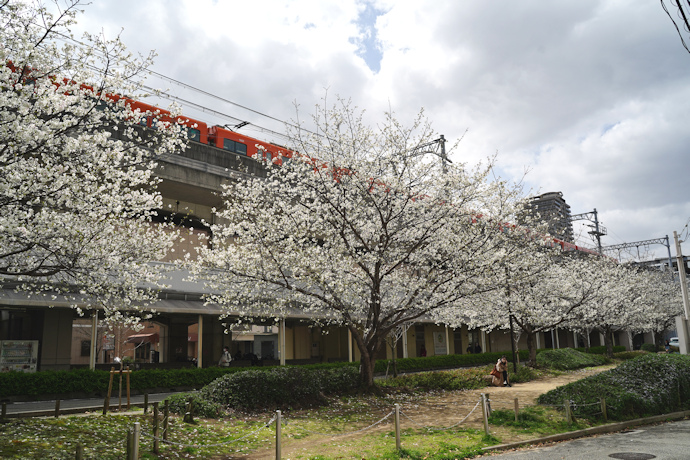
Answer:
x=568 y=359
x=648 y=385
x=201 y=407
x=459 y=379
x=600 y=350
x=650 y=347
x=53 y=382
x=279 y=387
x=625 y=355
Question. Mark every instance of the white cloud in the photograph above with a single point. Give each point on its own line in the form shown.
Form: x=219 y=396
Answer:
x=589 y=94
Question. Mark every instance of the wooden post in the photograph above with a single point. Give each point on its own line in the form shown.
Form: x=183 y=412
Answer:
x=484 y=414
x=488 y=405
x=4 y=410
x=166 y=413
x=397 y=427
x=278 y=435
x=146 y=403
x=568 y=414
x=189 y=414
x=128 y=393
x=517 y=409
x=155 y=429
x=106 y=403
x=128 y=454
x=603 y=409
x=79 y=454
x=57 y=408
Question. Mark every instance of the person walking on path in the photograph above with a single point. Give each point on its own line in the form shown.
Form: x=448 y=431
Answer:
x=502 y=367
x=225 y=358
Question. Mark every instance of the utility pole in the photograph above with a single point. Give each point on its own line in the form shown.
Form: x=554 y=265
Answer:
x=682 y=322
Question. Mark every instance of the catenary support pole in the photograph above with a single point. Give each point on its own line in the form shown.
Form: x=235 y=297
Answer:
x=682 y=321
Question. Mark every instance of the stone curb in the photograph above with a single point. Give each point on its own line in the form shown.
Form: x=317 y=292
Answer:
x=602 y=429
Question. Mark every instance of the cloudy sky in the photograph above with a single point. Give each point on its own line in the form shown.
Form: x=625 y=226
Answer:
x=589 y=96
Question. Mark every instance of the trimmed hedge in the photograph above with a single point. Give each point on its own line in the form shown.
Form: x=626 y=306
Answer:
x=200 y=406
x=279 y=387
x=600 y=350
x=90 y=382
x=565 y=359
x=648 y=385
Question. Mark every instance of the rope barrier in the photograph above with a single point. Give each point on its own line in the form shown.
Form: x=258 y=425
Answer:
x=196 y=446
x=349 y=433
x=433 y=428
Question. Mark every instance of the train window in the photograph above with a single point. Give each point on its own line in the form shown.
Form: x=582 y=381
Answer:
x=193 y=134
x=229 y=145
x=233 y=146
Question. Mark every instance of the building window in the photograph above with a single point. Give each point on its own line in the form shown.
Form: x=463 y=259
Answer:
x=86 y=348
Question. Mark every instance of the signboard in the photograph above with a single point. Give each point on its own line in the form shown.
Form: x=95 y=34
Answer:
x=440 y=346
x=18 y=355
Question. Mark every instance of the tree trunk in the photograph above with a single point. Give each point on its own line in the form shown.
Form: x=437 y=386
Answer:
x=366 y=372
x=532 y=349
x=608 y=341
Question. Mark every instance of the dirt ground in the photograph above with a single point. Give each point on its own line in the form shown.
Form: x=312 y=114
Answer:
x=443 y=410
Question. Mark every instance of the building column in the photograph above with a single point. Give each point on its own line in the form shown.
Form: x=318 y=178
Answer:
x=482 y=335
x=281 y=341
x=574 y=339
x=447 y=342
x=94 y=339
x=558 y=341
x=200 y=342
x=538 y=334
x=349 y=345
x=404 y=342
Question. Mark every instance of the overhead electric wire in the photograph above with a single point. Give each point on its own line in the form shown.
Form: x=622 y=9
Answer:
x=201 y=91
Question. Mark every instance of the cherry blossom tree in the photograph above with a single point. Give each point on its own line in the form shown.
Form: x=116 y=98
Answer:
x=658 y=304
x=361 y=230
x=619 y=306
x=77 y=184
x=542 y=290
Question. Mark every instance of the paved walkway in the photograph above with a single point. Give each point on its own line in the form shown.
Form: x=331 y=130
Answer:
x=668 y=441
x=71 y=406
